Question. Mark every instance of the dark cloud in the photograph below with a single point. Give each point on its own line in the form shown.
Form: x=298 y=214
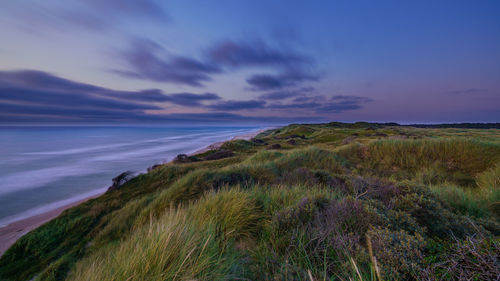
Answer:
x=48 y=98
x=347 y=99
x=299 y=106
x=281 y=95
x=265 y=82
x=316 y=104
x=319 y=104
x=188 y=99
x=186 y=118
x=44 y=89
x=36 y=96
x=36 y=79
x=292 y=67
x=147 y=60
x=315 y=98
x=61 y=112
x=237 y=105
x=233 y=54
x=338 y=107
x=37 y=93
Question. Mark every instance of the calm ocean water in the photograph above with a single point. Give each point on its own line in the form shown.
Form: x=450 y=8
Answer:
x=42 y=168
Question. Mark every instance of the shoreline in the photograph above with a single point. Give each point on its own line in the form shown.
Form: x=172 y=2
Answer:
x=16 y=229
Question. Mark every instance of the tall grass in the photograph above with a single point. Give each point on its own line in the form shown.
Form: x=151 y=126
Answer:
x=467 y=155
x=464 y=201
x=171 y=248
x=233 y=212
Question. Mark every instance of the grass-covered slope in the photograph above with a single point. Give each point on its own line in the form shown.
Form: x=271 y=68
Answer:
x=304 y=202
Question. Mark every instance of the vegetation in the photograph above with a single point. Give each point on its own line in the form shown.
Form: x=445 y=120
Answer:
x=332 y=201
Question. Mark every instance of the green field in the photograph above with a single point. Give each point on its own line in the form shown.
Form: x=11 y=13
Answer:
x=331 y=202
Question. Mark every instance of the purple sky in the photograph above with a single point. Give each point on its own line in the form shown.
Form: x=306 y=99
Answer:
x=127 y=61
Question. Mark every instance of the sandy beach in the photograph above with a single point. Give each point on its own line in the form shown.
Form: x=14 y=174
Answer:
x=15 y=230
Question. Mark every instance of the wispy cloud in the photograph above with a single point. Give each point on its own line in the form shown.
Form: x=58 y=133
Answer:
x=148 y=60
x=43 y=97
x=266 y=82
x=256 y=53
x=290 y=67
x=319 y=104
x=232 y=105
x=37 y=93
x=189 y=99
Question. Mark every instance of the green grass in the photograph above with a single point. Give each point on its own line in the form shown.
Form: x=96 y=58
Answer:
x=391 y=203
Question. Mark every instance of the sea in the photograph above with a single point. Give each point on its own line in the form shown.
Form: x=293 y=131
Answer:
x=44 y=168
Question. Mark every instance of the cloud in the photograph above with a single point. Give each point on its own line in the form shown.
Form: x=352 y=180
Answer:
x=350 y=99
x=245 y=54
x=265 y=82
x=320 y=104
x=36 y=96
x=44 y=98
x=315 y=98
x=188 y=99
x=36 y=93
x=37 y=87
x=281 y=95
x=316 y=104
x=292 y=67
x=237 y=105
x=148 y=60
x=35 y=78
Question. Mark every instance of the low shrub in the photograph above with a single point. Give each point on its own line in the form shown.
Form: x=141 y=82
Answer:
x=399 y=253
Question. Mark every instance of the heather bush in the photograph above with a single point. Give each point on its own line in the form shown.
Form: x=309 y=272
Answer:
x=431 y=214
x=399 y=253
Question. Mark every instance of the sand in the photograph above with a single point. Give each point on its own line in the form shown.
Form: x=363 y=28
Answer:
x=13 y=231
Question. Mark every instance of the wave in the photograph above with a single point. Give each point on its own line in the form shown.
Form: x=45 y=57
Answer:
x=40 y=177
x=118 y=145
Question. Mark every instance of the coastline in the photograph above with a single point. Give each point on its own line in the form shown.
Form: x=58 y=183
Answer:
x=16 y=229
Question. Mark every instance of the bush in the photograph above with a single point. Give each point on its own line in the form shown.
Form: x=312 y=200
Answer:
x=399 y=254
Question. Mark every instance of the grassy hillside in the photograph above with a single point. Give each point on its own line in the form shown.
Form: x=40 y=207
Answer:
x=304 y=202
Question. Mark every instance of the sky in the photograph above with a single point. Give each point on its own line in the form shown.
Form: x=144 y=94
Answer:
x=255 y=62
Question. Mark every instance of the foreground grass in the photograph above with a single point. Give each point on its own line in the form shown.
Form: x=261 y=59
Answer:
x=335 y=202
